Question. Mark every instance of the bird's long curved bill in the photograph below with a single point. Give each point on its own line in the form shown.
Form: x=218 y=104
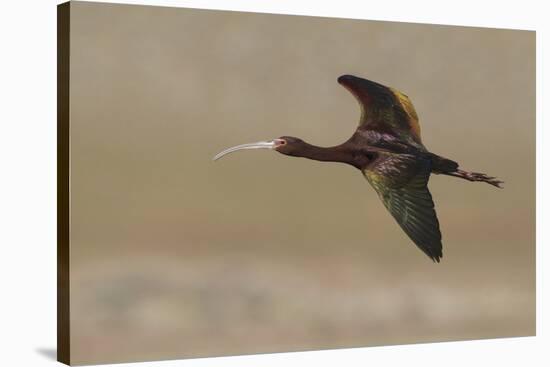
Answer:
x=272 y=144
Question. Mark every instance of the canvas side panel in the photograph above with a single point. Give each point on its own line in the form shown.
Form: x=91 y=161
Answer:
x=63 y=196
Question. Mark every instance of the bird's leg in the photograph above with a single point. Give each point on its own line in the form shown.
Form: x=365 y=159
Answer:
x=476 y=177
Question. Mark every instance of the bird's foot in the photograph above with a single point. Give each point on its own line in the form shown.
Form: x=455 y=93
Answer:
x=480 y=177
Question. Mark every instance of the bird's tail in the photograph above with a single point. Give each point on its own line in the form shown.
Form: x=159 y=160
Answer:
x=448 y=167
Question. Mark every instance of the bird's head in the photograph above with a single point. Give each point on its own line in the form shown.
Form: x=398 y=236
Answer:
x=287 y=145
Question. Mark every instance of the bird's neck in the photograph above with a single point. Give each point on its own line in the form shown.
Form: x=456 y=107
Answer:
x=339 y=153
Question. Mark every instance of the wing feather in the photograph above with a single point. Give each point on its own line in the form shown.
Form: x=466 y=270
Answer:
x=401 y=183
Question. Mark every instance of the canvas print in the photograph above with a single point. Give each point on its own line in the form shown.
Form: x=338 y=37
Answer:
x=387 y=195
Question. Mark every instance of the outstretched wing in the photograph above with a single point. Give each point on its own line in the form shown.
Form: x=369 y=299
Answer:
x=406 y=116
x=401 y=183
x=384 y=110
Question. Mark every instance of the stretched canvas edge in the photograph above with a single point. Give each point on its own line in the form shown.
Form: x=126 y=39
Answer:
x=63 y=196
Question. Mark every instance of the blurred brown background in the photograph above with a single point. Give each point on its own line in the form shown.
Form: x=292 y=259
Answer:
x=173 y=255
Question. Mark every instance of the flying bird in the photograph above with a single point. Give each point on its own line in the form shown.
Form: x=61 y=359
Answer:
x=386 y=147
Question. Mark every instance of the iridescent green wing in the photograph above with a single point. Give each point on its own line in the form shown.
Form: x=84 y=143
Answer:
x=401 y=183
x=398 y=118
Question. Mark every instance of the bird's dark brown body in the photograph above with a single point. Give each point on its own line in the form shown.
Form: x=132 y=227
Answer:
x=387 y=148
